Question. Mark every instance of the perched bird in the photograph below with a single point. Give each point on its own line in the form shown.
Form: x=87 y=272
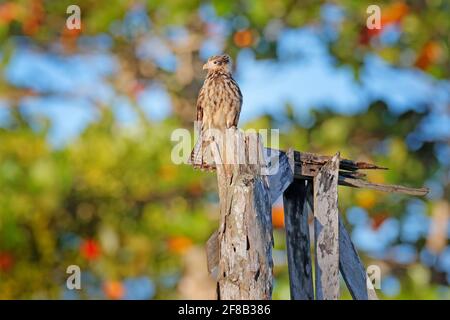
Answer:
x=218 y=105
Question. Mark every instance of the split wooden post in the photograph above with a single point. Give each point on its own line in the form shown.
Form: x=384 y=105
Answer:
x=297 y=241
x=326 y=230
x=240 y=252
x=245 y=233
x=350 y=264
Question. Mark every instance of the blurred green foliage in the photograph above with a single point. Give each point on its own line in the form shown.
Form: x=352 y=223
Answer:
x=114 y=187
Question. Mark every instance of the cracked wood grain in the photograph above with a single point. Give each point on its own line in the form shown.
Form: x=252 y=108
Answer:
x=350 y=264
x=244 y=239
x=306 y=165
x=297 y=242
x=326 y=230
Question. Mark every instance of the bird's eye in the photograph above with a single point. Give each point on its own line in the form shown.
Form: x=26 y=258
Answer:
x=215 y=62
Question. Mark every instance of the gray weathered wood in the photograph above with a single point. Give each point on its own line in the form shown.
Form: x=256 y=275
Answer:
x=306 y=166
x=280 y=173
x=246 y=195
x=280 y=176
x=245 y=231
x=326 y=230
x=212 y=253
x=350 y=264
x=297 y=242
x=352 y=269
x=358 y=183
x=318 y=160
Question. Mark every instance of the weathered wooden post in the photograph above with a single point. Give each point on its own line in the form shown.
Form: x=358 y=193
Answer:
x=240 y=252
x=326 y=230
x=350 y=264
x=244 y=238
x=297 y=241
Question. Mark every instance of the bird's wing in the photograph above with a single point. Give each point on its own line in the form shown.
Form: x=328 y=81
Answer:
x=200 y=101
x=237 y=101
x=196 y=154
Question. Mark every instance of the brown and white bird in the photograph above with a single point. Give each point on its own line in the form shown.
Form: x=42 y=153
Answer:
x=219 y=103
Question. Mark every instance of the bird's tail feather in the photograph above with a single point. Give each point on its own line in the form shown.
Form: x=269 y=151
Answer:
x=196 y=155
x=199 y=158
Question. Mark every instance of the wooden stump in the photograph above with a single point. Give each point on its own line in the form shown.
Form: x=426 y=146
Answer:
x=245 y=234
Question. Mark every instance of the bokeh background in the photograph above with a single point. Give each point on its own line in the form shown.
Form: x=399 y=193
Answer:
x=86 y=115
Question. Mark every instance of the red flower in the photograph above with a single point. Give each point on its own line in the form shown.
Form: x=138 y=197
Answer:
x=90 y=249
x=179 y=244
x=243 y=38
x=6 y=261
x=378 y=220
x=278 y=217
x=392 y=14
x=114 y=290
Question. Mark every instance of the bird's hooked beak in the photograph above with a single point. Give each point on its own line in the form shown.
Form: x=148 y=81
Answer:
x=205 y=66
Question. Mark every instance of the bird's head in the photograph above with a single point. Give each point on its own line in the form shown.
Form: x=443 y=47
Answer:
x=215 y=63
